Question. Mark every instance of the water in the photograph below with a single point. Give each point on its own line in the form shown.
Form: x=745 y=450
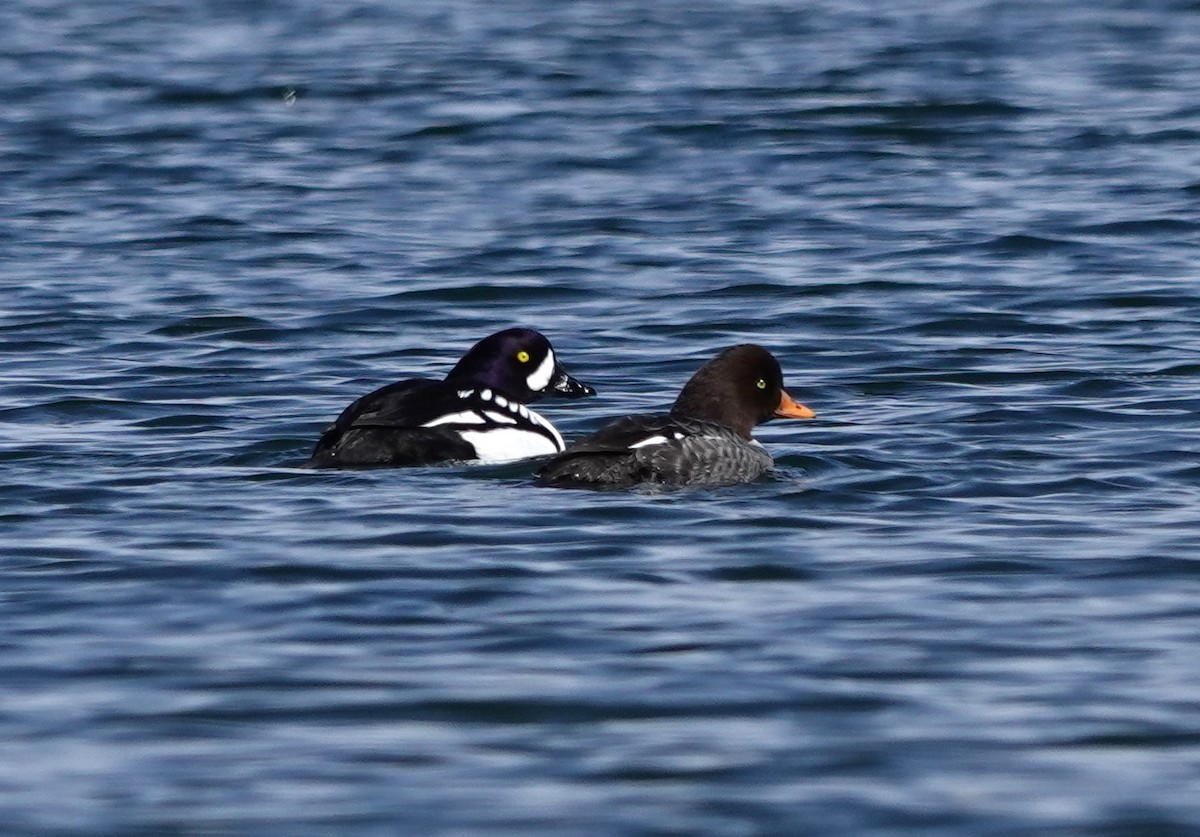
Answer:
x=968 y=600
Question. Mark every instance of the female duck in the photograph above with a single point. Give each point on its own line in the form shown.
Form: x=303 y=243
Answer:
x=477 y=414
x=704 y=440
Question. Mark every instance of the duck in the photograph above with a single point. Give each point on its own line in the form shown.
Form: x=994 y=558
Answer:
x=478 y=413
x=705 y=439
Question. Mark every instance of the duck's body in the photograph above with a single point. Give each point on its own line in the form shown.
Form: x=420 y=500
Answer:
x=704 y=440
x=662 y=449
x=477 y=414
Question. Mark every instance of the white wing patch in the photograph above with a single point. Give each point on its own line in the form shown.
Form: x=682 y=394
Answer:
x=539 y=378
x=499 y=418
x=465 y=417
x=657 y=439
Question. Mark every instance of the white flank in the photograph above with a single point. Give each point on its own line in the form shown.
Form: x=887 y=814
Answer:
x=501 y=418
x=465 y=417
x=652 y=440
x=505 y=444
x=539 y=378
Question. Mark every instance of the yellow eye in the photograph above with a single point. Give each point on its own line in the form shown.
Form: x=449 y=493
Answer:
x=761 y=384
x=523 y=356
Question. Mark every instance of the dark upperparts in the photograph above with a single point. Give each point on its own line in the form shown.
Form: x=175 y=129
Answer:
x=739 y=388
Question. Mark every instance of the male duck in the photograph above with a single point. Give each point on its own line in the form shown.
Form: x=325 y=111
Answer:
x=477 y=414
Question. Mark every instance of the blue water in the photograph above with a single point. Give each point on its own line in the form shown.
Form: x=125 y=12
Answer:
x=966 y=602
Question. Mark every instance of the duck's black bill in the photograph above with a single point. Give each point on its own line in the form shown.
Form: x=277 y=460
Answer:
x=565 y=386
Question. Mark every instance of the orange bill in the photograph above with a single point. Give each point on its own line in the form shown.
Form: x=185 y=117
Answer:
x=790 y=409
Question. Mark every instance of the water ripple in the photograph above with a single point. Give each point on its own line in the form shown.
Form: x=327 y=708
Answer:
x=964 y=602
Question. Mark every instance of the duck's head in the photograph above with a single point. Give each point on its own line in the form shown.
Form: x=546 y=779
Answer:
x=739 y=388
x=520 y=363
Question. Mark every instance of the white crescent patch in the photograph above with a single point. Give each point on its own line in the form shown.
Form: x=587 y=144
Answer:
x=539 y=378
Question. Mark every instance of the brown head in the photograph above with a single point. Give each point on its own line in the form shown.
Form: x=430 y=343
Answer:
x=739 y=388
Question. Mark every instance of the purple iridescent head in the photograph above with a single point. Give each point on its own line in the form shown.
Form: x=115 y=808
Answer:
x=520 y=363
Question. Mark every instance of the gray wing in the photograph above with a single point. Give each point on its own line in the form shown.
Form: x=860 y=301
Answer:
x=725 y=459
x=657 y=449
